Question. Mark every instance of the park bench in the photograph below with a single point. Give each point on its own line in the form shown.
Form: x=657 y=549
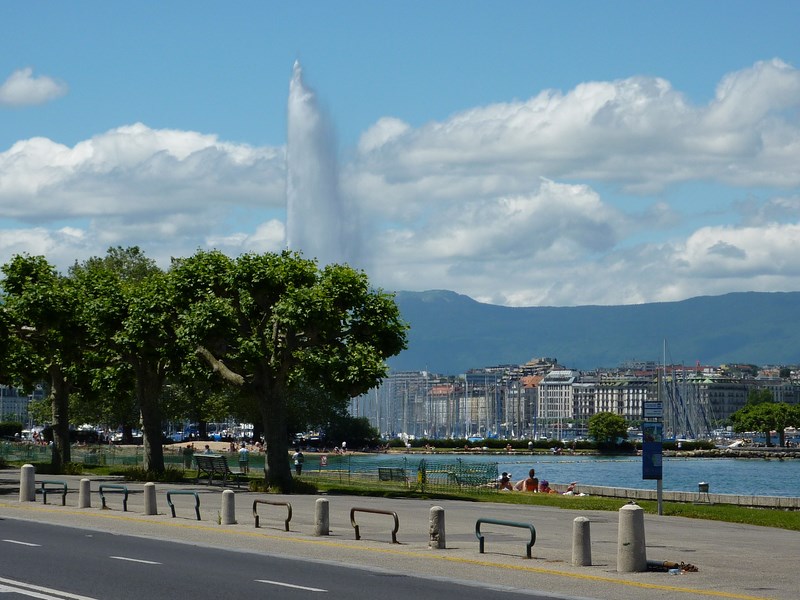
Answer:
x=392 y=474
x=216 y=465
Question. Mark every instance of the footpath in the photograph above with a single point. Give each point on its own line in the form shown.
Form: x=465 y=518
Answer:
x=733 y=561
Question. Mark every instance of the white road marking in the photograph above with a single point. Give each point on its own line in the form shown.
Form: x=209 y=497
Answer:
x=22 y=543
x=136 y=560
x=37 y=591
x=291 y=585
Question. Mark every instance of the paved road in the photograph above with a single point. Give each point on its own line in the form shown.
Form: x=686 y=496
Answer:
x=734 y=561
x=97 y=565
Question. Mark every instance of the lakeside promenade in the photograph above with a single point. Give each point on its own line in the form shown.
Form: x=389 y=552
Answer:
x=733 y=561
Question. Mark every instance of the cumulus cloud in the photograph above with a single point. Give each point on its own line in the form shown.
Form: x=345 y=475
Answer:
x=638 y=133
x=566 y=198
x=137 y=172
x=23 y=89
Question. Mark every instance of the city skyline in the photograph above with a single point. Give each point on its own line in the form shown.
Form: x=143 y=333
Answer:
x=540 y=155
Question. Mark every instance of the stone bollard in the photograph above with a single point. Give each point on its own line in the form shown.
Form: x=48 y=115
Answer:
x=631 y=549
x=27 y=483
x=85 y=494
x=228 y=508
x=150 y=507
x=437 y=534
x=322 y=519
x=581 y=543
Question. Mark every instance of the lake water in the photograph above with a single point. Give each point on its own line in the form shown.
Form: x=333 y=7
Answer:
x=740 y=476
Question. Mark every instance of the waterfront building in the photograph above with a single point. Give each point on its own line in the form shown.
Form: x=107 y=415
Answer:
x=15 y=403
x=555 y=400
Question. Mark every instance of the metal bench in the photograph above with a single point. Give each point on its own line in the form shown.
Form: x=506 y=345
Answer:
x=392 y=474
x=215 y=465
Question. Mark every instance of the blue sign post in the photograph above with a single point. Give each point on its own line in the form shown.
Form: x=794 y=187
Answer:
x=653 y=442
x=652 y=449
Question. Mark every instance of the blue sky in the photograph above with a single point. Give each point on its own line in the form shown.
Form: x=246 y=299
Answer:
x=522 y=153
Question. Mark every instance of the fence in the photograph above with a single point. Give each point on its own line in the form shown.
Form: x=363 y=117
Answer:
x=404 y=473
x=385 y=471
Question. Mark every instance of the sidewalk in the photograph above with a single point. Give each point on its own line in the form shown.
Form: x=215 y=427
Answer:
x=733 y=561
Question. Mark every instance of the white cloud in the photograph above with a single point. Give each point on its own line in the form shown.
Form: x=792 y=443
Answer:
x=23 y=89
x=137 y=172
x=637 y=133
x=563 y=199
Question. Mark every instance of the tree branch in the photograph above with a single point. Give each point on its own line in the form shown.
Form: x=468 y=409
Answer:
x=219 y=367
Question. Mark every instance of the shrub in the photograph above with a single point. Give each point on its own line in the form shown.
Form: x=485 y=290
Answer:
x=170 y=474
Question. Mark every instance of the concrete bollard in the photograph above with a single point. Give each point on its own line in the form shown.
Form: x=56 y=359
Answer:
x=27 y=483
x=581 y=543
x=228 y=508
x=85 y=494
x=322 y=519
x=631 y=549
x=437 y=539
x=150 y=507
x=437 y=533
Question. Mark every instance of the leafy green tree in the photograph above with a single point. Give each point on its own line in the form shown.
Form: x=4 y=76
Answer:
x=268 y=322
x=606 y=428
x=763 y=414
x=46 y=337
x=356 y=431
x=132 y=320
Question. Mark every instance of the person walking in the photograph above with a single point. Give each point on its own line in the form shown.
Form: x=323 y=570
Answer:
x=244 y=459
x=298 y=459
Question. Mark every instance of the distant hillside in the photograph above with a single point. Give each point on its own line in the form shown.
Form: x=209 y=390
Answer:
x=451 y=333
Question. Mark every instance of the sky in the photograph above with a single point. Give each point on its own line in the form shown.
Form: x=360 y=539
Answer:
x=521 y=153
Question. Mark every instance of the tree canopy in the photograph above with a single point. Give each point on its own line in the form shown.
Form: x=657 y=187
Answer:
x=606 y=428
x=762 y=414
x=272 y=324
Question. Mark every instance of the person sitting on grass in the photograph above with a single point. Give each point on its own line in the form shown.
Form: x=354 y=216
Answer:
x=544 y=487
x=530 y=484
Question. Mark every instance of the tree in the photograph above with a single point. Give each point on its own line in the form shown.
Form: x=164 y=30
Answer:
x=267 y=323
x=762 y=414
x=606 y=428
x=46 y=337
x=132 y=319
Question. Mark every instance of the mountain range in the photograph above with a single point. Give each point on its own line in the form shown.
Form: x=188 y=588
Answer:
x=451 y=333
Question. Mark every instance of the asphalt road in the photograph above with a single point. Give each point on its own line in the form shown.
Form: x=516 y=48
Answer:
x=734 y=561
x=50 y=561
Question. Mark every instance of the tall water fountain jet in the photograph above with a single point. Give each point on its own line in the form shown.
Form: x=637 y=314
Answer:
x=315 y=219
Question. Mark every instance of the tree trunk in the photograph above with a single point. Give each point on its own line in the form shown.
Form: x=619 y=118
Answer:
x=277 y=471
x=148 y=389
x=59 y=401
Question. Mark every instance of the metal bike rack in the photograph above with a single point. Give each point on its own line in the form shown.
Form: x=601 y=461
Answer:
x=507 y=524
x=274 y=503
x=377 y=512
x=117 y=489
x=184 y=493
x=60 y=484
